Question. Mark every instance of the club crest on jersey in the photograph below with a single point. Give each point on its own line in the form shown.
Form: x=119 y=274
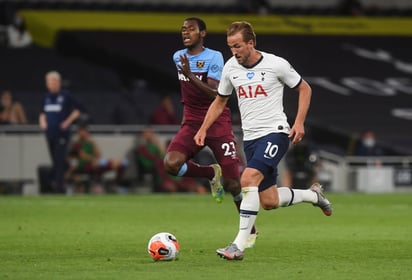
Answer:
x=250 y=75
x=200 y=64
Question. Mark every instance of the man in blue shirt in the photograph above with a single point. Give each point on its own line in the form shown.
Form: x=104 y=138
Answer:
x=59 y=111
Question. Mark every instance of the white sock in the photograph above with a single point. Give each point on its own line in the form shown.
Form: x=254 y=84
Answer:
x=249 y=209
x=288 y=197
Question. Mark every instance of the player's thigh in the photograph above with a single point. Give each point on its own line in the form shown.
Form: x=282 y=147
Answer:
x=264 y=154
x=225 y=151
x=183 y=142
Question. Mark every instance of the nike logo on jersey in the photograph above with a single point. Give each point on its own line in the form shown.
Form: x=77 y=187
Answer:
x=235 y=77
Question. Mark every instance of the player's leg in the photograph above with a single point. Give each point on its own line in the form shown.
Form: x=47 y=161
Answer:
x=226 y=154
x=263 y=155
x=272 y=197
x=119 y=166
x=179 y=152
x=103 y=165
x=249 y=209
x=60 y=153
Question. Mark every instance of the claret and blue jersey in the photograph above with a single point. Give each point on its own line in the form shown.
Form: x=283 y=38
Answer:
x=206 y=65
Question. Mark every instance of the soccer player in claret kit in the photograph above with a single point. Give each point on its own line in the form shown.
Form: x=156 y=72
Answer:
x=258 y=78
x=199 y=70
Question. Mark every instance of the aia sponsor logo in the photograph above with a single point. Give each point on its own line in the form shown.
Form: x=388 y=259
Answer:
x=251 y=91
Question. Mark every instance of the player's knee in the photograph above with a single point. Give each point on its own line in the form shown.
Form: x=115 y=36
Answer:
x=168 y=164
x=232 y=185
x=268 y=204
x=172 y=164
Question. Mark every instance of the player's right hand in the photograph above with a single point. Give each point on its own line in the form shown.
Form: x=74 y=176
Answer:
x=200 y=137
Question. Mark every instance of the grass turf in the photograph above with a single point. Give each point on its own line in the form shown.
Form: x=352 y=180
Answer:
x=105 y=237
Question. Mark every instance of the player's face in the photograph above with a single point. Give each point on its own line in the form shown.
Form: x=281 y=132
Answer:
x=83 y=133
x=240 y=49
x=53 y=84
x=191 y=34
x=6 y=99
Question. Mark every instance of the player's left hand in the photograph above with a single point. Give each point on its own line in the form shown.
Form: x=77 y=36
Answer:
x=184 y=65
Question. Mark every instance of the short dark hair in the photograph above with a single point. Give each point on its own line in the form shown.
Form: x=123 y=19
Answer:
x=200 y=23
x=245 y=28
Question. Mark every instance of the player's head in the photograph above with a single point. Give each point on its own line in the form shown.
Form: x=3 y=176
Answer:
x=83 y=130
x=53 y=81
x=241 y=40
x=368 y=138
x=6 y=98
x=245 y=29
x=193 y=32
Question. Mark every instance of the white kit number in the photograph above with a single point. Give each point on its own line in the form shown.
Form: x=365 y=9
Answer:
x=271 y=150
x=229 y=148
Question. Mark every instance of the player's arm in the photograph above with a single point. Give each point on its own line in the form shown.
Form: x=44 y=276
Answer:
x=43 y=121
x=209 y=88
x=214 y=111
x=70 y=119
x=96 y=150
x=298 y=129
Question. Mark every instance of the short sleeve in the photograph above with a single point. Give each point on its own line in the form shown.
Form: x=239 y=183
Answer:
x=176 y=59
x=216 y=66
x=287 y=74
x=225 y=86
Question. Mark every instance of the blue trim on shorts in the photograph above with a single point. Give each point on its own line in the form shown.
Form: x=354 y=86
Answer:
x=264 y=154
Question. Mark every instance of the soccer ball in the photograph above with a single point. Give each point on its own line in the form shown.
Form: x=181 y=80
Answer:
x=163 y=246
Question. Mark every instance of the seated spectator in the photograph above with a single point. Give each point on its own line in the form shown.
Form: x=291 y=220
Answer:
x=367 y=145
x=11 y=112
x=261 y=7
x=17 y=34
x=351 y=7
x=149 y=157
x=165 y=113
x=85 y=158
x=300 y=166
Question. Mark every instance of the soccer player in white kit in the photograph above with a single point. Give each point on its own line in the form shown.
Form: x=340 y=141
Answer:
x=258 y=79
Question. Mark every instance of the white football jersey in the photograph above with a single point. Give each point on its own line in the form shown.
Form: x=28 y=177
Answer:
x=259 y=91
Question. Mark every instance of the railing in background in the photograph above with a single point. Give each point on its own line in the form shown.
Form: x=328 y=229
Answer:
x=23 y=149
x=365 y=174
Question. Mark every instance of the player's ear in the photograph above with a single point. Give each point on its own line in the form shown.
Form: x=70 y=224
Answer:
x=203 y=33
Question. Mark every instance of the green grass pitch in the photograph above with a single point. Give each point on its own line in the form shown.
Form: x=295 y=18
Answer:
x=105 y=237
